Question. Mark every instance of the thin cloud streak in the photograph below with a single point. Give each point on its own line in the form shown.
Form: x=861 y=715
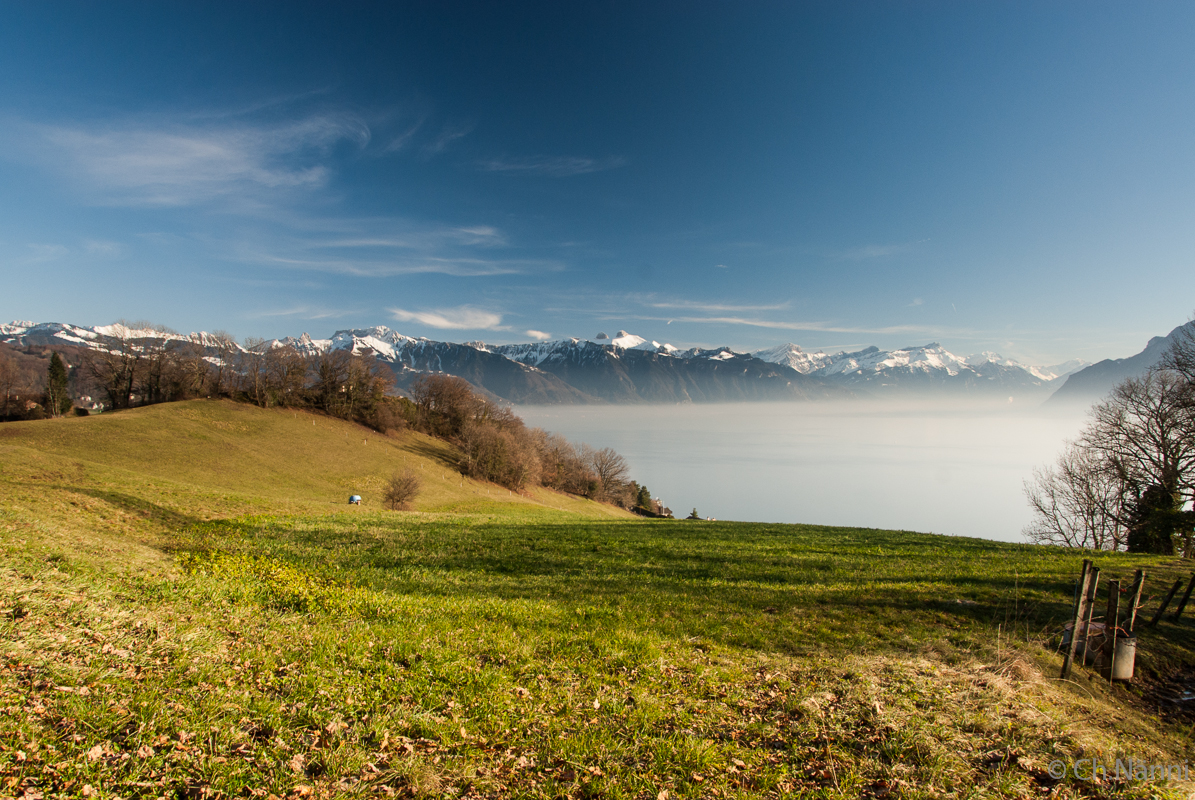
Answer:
x=462 y=318
x=448 y=135
x=478 y=236
x=551 y=166
x=300 y=311
x=819 y=327
x=698 y=306
x=458 y=267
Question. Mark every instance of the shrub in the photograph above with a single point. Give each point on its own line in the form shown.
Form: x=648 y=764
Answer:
x=401 y=491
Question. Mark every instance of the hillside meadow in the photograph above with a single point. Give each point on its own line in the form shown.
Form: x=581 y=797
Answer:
x=190 y=609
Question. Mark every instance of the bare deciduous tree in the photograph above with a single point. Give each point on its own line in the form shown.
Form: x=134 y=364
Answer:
x=116 y=368
x=610 y=469
x=1077 y=503
x=1146 y=431
x=10 y=382
x=285 y=376
x=223 y=374
x=401 y=490
x=446 y=403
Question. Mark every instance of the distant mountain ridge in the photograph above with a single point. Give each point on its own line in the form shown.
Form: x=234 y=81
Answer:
x=1095 y=381
x=626 y=368
x=927 y=368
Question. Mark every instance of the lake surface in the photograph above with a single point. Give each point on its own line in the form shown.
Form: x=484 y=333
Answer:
x=942 y=468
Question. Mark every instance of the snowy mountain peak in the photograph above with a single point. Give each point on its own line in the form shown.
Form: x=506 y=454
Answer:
x=626 y=341
x=791 y=355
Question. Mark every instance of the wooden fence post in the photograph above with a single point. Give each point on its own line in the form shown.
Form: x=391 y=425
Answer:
x=1080 y=608
x=1110 y=625
x=1178 y=584
x=1183 y=603
x=1135 y=600
x=1091 y=593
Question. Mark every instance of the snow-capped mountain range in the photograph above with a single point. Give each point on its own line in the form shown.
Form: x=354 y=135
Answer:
x=628 y=368
x=930 y=358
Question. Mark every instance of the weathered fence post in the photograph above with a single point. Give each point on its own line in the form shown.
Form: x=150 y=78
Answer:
x=1091 y=592
x=1135 y=600
x=1111 y=618
x=1178 y=584
x=1178 y=612
x=1080 y=609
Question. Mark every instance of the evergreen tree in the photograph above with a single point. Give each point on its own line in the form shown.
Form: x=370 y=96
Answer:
x=1155 y=518
x=58 y=396
x=643 y=499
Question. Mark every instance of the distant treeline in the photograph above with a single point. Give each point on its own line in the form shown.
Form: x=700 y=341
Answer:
x=495 y=444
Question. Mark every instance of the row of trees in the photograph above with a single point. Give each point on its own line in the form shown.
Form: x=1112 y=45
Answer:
x=496 y=446
x=1128 y=481
x=133 y=371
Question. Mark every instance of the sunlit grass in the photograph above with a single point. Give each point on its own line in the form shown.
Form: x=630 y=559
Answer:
x=165 y=636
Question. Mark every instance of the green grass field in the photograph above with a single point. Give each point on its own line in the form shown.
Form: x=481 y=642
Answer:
x=189 y=609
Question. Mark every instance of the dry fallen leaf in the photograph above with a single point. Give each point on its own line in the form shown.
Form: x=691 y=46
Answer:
x=95 y=753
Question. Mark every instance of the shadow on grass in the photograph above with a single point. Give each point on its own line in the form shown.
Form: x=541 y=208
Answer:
x=439 y=455
x=134 y=505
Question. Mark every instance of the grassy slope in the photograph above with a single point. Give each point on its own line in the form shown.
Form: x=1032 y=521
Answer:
x=189 y=608
x=167 y=466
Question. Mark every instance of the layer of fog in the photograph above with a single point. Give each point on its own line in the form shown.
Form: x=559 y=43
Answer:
x=956 y=469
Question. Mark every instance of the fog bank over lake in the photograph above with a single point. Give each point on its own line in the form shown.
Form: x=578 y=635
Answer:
x=944 y=468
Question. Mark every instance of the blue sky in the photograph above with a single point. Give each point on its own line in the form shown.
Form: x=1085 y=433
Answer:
x=1017 y=177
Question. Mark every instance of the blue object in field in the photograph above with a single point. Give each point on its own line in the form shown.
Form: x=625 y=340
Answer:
x=355 y=499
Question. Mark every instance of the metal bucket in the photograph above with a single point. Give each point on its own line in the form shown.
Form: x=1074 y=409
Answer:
x=1125 y=659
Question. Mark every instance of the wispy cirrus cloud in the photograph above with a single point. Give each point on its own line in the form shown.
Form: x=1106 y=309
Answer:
x=149 y=162
x=447 y=135
x=551 y=166
x=301 y=311
x=403 y=139
x=461 y=318
x=391 y=235
x=797 y=325
x=694 y=305
x=382 y=247
x=382 y=268
x=277 y=178
x=106 y=249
